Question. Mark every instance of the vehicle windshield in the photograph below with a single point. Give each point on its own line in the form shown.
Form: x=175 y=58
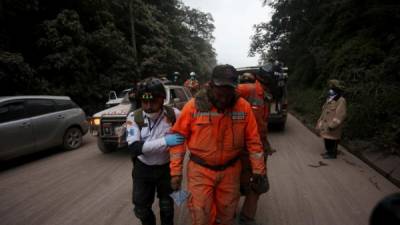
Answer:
x=123 y=93
x=125 y=99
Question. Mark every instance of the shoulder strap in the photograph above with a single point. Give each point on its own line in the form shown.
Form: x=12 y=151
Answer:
x=138 y=117
x=170 y=113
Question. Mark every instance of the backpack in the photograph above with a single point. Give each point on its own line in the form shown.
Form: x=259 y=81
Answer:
x=139 y=120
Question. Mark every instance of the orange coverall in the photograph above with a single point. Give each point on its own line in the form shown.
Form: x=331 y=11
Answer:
x=254 y=94
x=192 y=85
x=216 y=138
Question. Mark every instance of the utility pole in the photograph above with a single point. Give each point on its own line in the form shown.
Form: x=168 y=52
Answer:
x=133 y=38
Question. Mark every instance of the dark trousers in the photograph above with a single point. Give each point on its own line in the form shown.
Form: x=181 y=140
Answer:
x=331 y=146
x=147 y=180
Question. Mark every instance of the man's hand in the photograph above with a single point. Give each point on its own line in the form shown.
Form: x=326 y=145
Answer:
x=259 y=183
x=174 y=139
x=136 y=148
x=176 y=182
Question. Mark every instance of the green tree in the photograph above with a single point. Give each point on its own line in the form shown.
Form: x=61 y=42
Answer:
x=351 y=40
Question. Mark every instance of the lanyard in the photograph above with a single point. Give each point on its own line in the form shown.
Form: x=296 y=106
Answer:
x=157 y=121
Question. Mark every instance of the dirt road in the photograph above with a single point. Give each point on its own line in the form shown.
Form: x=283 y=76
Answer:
x=87 y=187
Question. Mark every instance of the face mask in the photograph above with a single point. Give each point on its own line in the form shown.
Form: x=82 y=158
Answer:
x=331 y=93
x=223 y=100
x=152 y=116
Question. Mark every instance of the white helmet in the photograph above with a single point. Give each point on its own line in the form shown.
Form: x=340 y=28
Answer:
x=192 y=74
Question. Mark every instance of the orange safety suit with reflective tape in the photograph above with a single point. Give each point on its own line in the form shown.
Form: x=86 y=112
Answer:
x=217 y=139
x=254 y=93
x=193 y=85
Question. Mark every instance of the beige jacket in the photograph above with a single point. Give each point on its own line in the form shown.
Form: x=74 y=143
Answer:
x=330 y=123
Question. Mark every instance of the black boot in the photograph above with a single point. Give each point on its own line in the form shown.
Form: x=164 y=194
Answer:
x=145 y=215
x=166 y=211
x=329 y=156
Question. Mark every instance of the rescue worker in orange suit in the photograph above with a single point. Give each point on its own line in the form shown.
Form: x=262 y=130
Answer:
x=192 y=84
x=217 y=125
x=255 y=94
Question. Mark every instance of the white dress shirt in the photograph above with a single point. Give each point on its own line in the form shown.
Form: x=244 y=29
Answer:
x=155 y=149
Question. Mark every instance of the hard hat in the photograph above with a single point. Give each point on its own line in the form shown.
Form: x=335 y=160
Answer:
x=150 y=88
x=192 y=74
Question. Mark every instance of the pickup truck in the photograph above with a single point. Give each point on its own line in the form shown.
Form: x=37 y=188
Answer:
x=107 y=125
x=278 y=90
x=114 y=99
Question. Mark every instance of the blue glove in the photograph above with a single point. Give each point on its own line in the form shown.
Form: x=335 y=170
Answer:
x=174 y=139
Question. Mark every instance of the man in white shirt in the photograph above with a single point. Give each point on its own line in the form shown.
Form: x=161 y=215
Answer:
x=148 y=141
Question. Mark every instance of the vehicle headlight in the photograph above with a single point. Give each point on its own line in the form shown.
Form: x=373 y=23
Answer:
x=96 y=121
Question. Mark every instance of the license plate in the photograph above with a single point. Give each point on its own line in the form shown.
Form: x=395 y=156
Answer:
x=119 y=131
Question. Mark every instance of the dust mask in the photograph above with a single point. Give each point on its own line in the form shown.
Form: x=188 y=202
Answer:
x=152 y=116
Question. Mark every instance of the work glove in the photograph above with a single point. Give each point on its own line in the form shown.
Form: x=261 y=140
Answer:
x=174 y=139
x=176 y=182
x=259 y=183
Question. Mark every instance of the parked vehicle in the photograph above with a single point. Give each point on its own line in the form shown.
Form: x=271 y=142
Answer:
x=278 y=90
x=32 y=123
x=107 y=124
x=114 y=99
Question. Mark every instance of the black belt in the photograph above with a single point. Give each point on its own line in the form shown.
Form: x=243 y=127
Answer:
x=201 y=162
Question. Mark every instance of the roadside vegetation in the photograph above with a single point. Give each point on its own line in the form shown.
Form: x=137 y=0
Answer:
x=84 y=48
x=356 y=41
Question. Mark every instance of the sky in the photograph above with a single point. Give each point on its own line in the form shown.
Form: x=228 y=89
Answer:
x=233 y=21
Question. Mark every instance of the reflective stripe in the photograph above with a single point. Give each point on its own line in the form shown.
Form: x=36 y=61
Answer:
x=179 y=155
x=258 y=155
x=238 y=115
x=255 y=101
x=234 y=115
x=198 y=114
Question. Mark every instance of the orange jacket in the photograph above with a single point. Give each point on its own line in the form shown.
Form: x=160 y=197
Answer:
x=217 y=137
x=192 y=85
x=254 y=94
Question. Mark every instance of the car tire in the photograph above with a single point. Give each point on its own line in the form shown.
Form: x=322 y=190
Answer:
x=104 y=147
x=72 y=138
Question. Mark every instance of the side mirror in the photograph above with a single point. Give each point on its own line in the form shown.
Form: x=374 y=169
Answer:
x=112 y=95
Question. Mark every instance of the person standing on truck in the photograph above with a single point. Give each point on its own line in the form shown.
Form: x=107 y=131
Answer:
x=148 y=141
x=255 y=94
x=175 y=77
x=330 y=123
x=217 y=125
x=192 y=84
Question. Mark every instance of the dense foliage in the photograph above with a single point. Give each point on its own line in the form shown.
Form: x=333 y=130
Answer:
x=356 y=41
x=84 y=48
